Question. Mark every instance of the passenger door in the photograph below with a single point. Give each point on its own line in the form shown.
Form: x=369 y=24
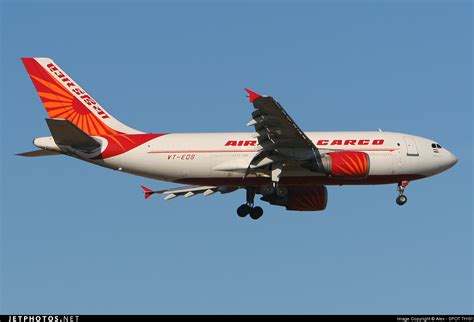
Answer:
x=410 y=143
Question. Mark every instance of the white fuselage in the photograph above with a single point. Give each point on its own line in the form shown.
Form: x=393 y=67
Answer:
x=222 y=158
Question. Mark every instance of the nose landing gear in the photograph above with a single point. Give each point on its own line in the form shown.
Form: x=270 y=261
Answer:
x=401 y=199
x=248 y=208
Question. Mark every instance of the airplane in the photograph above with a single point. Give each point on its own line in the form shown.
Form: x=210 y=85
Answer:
x=285 y=165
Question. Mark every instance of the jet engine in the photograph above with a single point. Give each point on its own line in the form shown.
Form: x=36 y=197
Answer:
x=347 y=164
x=301 y=198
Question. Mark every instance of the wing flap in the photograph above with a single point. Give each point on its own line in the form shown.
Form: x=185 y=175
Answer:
x=278 y=135
x=187 y=191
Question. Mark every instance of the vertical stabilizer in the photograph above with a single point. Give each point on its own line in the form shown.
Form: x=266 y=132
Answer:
x=63 y=98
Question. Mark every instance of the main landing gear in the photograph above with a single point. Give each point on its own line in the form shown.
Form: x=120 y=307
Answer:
x=248 y=208
x=401 y=199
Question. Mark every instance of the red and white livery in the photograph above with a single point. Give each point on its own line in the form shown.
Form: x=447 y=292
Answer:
x=279 y=161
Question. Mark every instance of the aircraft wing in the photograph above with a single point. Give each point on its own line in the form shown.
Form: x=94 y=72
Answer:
x=278 y=135
x=186 y=191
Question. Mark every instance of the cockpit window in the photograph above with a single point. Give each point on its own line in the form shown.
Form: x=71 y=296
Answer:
x=438 y=146
x=433 y=146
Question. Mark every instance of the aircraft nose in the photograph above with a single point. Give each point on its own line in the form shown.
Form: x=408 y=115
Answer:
x=451 y=159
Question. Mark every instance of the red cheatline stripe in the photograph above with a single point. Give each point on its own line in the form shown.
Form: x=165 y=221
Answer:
x=356 y=150
x=217 y=151
x=200 y=151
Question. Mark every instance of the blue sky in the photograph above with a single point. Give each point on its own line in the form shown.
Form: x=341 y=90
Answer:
x=78 y=238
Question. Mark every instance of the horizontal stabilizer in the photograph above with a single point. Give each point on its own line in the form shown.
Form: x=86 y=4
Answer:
x=67 y=134
x=38 y=153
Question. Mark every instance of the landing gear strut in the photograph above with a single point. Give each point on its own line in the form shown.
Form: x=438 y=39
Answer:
x=248 y=208
x=401 y=199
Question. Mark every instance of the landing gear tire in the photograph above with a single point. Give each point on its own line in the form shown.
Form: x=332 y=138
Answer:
x=267 y=189
x=244 y=210
x=281 y=192
x=256 y=213
x=401 y=200
x=248 y=208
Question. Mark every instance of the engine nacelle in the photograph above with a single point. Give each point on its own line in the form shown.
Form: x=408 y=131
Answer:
x=301 y=198
x=347 y=164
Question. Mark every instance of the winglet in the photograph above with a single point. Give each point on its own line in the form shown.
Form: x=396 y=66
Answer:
x=148 y=192
x=252 y=95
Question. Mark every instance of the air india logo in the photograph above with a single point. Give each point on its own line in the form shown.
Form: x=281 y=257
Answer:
x=81 y=94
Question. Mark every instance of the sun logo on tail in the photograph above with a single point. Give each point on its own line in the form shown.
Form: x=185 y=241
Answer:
x=59 y=102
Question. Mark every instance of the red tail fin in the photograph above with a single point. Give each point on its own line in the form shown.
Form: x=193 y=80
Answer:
x=64 y=98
